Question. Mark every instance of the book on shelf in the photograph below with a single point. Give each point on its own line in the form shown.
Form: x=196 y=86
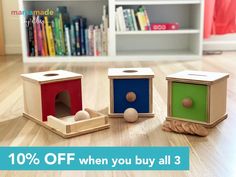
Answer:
x=127 y=22
x=61 y=35
x=73 y=40
x=77 y=37
x=121 y=19
x=132 y=20
x=54 y=29
x=45 y=47
x=39 y=38
x=96 y=34
x=63 y=19
x=90 y=40
x=86 y=42
x=30 y=36
x=104 y=32
x=83 y=26
x=50 y=39
x=58 y=35
x=118 y=28
x=35 y=36
x=67 y=40
x=145 y=14
x=141 y=20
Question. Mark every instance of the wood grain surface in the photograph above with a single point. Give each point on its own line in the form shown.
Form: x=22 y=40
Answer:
x=211 y=156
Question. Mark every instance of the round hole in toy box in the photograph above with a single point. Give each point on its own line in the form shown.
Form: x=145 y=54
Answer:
x=51 y=74
x=130 y=71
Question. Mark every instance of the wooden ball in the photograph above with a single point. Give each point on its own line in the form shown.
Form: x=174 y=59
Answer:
x=187 y=102
x=130 y=96
x=81 y=115
x=131 y=115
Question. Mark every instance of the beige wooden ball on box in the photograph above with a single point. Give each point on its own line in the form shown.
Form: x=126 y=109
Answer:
x=131 y=115
x=81 y=115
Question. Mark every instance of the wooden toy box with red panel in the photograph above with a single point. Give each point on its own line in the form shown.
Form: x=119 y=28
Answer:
x=52 y=98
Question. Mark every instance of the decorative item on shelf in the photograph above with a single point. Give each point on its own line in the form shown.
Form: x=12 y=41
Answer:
x=184 y=127
x=164 y=26
x=52 y=99
x=197 y=96
x=131 y=88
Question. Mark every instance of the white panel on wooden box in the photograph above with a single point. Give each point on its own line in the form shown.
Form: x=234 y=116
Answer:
x=51 y=76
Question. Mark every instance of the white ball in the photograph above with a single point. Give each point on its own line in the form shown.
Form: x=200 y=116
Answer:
x=131 y=115
x=81 y=115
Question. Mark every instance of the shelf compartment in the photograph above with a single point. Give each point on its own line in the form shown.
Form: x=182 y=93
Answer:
x=176 y=44
x=187 y=15
x=91 y=10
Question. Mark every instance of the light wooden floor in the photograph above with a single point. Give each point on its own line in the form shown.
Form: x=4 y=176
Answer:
x=214 y=155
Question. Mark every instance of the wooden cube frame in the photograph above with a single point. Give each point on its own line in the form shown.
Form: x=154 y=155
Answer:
x=131 y=73
x=40 y=91
x=216 y=89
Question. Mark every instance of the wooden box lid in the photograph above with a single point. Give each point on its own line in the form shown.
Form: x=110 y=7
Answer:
x=130 y=73
x=203 y=77
x=51 y=76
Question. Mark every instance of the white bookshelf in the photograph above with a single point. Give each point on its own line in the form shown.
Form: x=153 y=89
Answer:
x=182 y=44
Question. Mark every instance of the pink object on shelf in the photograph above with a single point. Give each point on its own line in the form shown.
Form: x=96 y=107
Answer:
x=165 y=26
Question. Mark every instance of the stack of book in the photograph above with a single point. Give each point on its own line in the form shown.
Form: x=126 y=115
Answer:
x=61 y=36
x=132 y=20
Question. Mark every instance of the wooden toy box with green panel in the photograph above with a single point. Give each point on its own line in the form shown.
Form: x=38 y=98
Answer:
x=197 y=96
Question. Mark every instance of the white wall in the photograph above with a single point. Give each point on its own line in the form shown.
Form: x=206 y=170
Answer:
x=220 y=42
x=11 y=27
